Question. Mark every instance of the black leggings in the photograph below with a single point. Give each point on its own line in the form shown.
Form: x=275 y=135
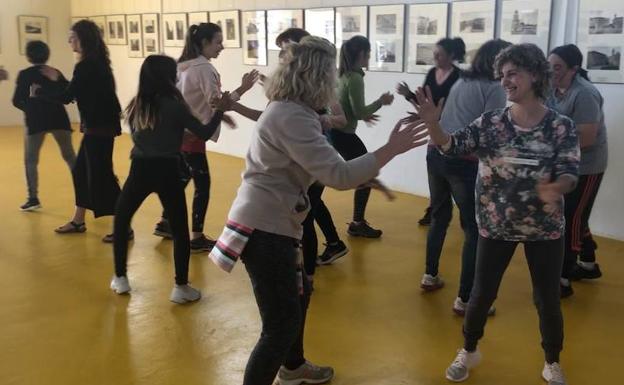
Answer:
x=350 y=146
x=95 y=185
x=320 y=213
x=271 y=262
x=545 y=259
x=194 y=165
x=162 y=176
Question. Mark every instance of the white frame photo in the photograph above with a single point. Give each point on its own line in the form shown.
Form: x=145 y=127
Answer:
x=351 y=21
x=195 y=18
x=254 y=32
x=134 y=31
x=118 y=34
x=601 y=39
x=175 y=27
x=527 y=21
x=31 y=28
x=150 y=30
x=474 y=22
x=100 y=21
x=279 y=20
x=387 y=34
x=229 y=21
x=427 y=24
x=321 y=22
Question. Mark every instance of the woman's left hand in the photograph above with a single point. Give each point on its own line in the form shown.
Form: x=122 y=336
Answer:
x=549 y=193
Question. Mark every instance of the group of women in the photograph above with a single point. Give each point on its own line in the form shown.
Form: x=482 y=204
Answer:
x=504 y=141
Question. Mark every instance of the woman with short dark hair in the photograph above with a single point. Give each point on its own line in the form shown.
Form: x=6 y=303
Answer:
x=575 y=96
x=528 y=159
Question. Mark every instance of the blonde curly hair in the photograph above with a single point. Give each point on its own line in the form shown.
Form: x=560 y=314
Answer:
x=306 y=74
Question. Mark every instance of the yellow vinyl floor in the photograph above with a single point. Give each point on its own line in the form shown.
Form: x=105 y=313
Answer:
x=60 y=324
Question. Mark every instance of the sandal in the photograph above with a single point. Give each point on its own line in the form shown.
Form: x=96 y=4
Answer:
x=71 y=227
x=108 y=238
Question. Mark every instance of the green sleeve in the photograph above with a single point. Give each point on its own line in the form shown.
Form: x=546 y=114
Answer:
x=356 y=98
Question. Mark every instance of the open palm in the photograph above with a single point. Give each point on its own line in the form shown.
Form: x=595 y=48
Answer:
x=427 y=109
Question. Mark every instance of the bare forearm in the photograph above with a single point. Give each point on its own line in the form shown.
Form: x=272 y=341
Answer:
x=247 y=112
x=383 y=155
x=437 y=135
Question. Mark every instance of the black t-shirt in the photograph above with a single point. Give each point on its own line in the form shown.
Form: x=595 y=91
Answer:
x=440 y=91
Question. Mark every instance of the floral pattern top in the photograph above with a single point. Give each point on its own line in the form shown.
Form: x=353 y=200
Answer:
x=512 y=161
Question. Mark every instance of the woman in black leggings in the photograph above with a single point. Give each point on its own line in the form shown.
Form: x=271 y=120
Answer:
x=158 y=116
x=354 y=55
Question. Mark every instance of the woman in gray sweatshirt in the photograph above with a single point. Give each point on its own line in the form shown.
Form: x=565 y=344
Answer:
x=287 y=153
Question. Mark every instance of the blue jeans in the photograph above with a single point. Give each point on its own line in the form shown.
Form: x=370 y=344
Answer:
x=452 y=178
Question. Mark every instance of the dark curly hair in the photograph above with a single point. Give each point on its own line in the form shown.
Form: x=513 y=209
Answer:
x=91 y=41
x=530 y=58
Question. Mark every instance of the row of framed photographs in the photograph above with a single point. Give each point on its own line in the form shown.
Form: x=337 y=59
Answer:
x=402 y=36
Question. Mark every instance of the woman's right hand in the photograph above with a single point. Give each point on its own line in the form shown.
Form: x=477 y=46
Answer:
x=249 y=79
x=403 y=89
x=386 y=99
x=50 y=73
x=404 y=136
x=427 y=110
x=223 y=103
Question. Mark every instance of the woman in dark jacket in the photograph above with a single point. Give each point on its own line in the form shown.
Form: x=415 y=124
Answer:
x=93 y=89
x=42 y=116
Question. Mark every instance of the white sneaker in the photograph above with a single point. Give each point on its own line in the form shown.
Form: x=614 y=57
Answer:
x=459 y=308
x=184 y=293
x=120 y=285
x=458 y=371
x=553 y=374
x=431 y=282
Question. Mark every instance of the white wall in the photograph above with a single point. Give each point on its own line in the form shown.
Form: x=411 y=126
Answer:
x=407 y=173
x=58 y=12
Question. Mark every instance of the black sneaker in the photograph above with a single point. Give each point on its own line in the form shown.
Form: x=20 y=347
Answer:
x=332 y=252
x=566 y=291
x=201 y=244
x=163 y=229
x=578 y=272
x=362 y=229
x=31 y=205
x=108 y=238
x=426 y=219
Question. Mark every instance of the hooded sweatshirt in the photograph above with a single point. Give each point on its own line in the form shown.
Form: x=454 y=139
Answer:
x=199 y=82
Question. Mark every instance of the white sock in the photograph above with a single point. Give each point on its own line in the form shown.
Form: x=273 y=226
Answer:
x=565 y=282
x=587 y=265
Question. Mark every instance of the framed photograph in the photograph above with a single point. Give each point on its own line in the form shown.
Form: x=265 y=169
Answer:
x=473 y=21
x=254 y=38
x=279 y=20
x=229 y=21
x=175 y=26
x=527 y=21
x=427 y=25
x=350 y=21
x=195 y=18
x=386 y=37
x=135 y=36
x=100 y=21
x=321 y=22
x=601 y=39
x=116 y=30
x=31 y=28
x=150 y=33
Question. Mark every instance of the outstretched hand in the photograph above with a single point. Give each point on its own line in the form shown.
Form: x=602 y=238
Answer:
x=406 y=136
x=403 y=89
x=426 y=108
x=371 y=120
x=223 y=103
x=248 y=81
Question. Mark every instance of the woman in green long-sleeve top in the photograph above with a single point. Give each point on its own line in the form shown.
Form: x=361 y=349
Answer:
x=354 y=55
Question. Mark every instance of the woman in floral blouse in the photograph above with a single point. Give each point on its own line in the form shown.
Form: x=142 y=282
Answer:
x=528 y=158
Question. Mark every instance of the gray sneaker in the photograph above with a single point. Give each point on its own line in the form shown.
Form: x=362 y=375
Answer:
x=553 y=374
x=460 y=368
x=308 y=373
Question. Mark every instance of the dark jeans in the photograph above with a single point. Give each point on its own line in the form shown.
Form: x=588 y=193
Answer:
x=162 y=176
x=452 y=178
x=271 y=262
x=350 y=146
x=320 y=213
x=578 y=207
x=32 y=147
x=194 y=166
x=545 y=259
x=95 y=184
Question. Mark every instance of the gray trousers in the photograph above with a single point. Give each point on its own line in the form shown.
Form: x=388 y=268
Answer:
x=32 y=147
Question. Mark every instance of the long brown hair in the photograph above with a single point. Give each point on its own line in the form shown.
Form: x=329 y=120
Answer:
x=195 y=37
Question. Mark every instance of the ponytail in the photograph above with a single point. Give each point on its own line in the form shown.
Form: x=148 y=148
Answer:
x=349 y=53
x=195 y=37
x=456 y=48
